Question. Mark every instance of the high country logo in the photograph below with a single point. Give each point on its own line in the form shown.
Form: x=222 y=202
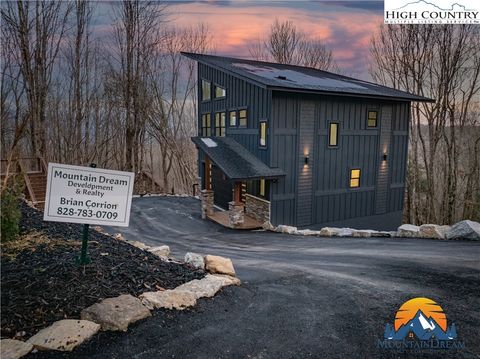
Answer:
x=431 y=12
x=420 y=323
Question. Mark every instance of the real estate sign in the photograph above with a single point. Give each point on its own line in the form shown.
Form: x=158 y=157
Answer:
x=88 y=195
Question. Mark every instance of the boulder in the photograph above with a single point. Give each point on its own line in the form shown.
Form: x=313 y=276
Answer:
x=408 y=230
x=465 y=229
x=117 y=236
x=345 y=232
x=116 y=313
x=168 y=299
x=286 y=229
x=433 y=231
x=307 y=232
x=219 y=265
x=195 y=260
x=139 y=245
x=160 y=251
x=361 y=233
x=14 y=349
x=208 y=286
x=329 y=232
x=268 y=226
x=64 y=335
x=381 y=234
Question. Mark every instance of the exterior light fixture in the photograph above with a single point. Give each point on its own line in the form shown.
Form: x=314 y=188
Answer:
x=385 y=156
x=306 y=159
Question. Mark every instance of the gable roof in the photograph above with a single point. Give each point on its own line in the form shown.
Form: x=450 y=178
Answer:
x=282 y=77
x=235 y=161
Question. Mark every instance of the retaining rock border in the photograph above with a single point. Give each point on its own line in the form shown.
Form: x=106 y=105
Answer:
x=461 y=230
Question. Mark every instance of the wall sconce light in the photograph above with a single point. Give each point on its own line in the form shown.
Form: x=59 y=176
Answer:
x=385 y=156
x=306 y=160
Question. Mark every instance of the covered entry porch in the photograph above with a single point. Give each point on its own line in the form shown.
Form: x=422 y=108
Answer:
x=238 y=166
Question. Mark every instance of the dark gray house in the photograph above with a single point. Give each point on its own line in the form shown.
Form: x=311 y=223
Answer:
x=299 y=146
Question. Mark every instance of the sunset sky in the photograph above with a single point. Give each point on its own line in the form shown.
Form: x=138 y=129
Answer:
x=345 y=26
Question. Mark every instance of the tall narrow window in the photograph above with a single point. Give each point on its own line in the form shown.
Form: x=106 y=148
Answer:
x=206 y=129
x=233 y=118
x=206 y=90
x=333 y=135
x=220 y=124
x=262 y=188
x=355 y=178
x=372 y=118
x=263 y=134
x=220 y=92
x=242 y=118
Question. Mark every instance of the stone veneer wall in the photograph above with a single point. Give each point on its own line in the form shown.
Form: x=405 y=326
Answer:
x=257 y=208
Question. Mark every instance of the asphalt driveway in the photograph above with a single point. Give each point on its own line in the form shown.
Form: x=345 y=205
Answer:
x=301 y=296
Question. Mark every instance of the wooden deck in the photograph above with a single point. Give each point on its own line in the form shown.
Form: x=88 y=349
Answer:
x=222 y=219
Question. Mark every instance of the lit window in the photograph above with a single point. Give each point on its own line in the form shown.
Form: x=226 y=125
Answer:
x=262 y=187
x=206 y=129
x=220 y=124
x=263 y=134
x=233 y=118
x=206 y=90
x=242 y=118
x=333 y=135
x=354 y=178
x=372 y=118
x=220 y=92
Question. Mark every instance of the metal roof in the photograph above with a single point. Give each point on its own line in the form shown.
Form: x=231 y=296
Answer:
x=235 y=161
x=282 y=77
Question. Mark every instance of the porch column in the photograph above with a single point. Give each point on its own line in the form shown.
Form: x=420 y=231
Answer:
x=206 y=195
x=236 y=209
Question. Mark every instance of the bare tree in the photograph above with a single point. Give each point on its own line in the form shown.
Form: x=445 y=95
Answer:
x=286 y=44
x=441 y=62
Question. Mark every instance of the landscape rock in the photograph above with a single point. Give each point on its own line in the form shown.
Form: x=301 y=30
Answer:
x=465 y=229
x=361 y=233
x=433 y=231
x=116 y=313
x=14 y=349
x=160 y=251
x=408 y=230
x=268 y=226
x=219 y=265
x=207 y=287
x=329 y=231
x=139 y=245
x=286 y=229
x=195 y=260
x=168 y=299
x=64 y=335
x=381 y=234
x=307 y=232
x=345 y=232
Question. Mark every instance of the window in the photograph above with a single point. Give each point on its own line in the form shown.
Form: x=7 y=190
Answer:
x=354 y=178
x=263 y=134
x=333 y=135
x=242 y=118
x=372 y=118
x=233 y=118
x=206 y=90
x=206 y=129
x=262 y=188
x=220 y=92
x=220 y=124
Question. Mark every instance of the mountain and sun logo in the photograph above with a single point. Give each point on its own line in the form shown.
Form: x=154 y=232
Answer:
x=420 y=323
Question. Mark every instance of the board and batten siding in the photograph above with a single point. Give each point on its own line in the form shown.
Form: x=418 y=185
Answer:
x=329 y=198
x=381 y=195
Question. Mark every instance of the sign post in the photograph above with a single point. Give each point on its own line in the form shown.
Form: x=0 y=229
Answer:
x=88 y=195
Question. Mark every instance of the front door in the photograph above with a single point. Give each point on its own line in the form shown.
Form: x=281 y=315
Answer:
x=222 y=188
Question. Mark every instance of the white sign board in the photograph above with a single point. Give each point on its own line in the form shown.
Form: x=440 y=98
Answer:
x=88 y=195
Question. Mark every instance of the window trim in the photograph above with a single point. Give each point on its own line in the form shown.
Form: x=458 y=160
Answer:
x=262 y=147
x=329 y=145
x=215 y=85
x=350 y=177
x=376 y=119
x=238 y=118
x=201 y=90
x=215 y=123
